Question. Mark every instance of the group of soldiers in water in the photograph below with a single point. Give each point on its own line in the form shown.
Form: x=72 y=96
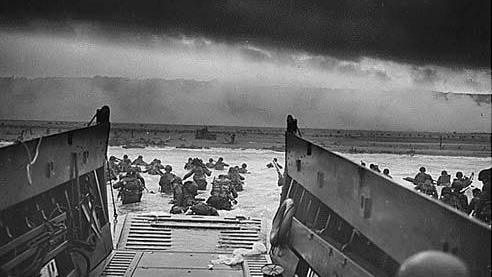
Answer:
x=223 y=194
x=375 y=167
x=453 y=192
x=225 y=187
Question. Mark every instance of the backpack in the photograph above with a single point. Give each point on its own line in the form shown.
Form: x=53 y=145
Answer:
x=204 y=209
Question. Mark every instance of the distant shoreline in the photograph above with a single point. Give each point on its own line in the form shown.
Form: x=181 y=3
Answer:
x=343 y=141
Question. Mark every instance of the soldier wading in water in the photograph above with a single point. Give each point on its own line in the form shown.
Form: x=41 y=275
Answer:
x=200 y=173
x=222 y=194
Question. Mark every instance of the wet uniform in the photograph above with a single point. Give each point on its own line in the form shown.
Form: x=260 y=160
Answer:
x=125 y=164
x=428 y=188
x=210 y=164
x=222 y=194
x=130 y=189
x=219 y=165
x=236 y=179
x=139 y=161
x=155 y=168
x=184 y=196
x=423 y=183
x=454 y=199
x=444 y=180
x=188 y=165
x=165 y=182
x=483 y=207
x=459 y=184
x=200 y=174
x=421 y=178
x=189 y=192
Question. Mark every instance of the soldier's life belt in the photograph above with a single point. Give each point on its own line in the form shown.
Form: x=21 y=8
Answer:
x=282 y=222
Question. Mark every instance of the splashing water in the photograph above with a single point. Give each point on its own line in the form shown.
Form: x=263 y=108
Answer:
x=261 y=194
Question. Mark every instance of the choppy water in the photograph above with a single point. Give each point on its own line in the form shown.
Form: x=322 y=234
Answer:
x=261 y=194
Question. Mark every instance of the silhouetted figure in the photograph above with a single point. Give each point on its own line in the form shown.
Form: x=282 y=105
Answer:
x=444 y=179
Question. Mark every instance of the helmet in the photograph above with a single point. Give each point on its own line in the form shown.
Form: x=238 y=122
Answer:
x=168 y=168
x=484 y=175
x=446 y=190
x=433 y=263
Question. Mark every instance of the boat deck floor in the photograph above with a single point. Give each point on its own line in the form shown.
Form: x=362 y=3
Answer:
x=175 y=245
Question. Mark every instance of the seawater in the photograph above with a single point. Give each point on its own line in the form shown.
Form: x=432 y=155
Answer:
x=261 y=194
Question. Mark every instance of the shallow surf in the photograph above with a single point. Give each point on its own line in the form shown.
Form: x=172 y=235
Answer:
x=261 y=194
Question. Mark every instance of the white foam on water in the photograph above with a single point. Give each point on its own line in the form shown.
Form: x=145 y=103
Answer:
x=261 y=194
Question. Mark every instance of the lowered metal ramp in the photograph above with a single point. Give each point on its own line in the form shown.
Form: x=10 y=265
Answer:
x=175 y=245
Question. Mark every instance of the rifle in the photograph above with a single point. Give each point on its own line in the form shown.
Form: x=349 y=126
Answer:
x=276 y=163
x=277 y=168
x=470 y=185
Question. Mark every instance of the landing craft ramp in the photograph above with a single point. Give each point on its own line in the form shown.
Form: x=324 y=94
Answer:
x=364 y=224
x=173 y=245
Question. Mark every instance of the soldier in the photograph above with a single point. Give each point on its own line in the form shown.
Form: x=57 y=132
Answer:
x=200 y=173
x=125 y=164
x=189 y=164
x=178 y=195
x=243 y=169
x=444 y=179
x=219 y=165
x=139 y=161
x=203 y=209
x=427 y=188
x=454 y=199
x=472 y=207
x=236 y=178
x=483 y=211
x=423 y=183
x=387 y=172
x=210 y=163
x=130 y=187
x=113 y=169
x=447 y=197
x=222 y=194
x=137 y=171
x=190 y=190
x=460 y=182
x=155 y=168
x=166 y=178
x=422 y=177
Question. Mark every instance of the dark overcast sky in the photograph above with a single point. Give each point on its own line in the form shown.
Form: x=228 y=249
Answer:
x=440 y=32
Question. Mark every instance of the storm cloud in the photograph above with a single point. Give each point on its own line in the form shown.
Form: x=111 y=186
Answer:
x=421 y=32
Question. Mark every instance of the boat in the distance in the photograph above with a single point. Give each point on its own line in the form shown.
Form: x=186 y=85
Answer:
x=338 y=219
